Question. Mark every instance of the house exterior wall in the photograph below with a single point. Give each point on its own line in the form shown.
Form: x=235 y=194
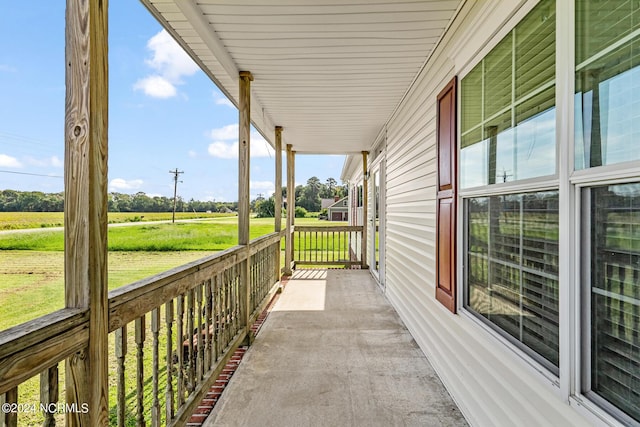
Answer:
x=493 y=382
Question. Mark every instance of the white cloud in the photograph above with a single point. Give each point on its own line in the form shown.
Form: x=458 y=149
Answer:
x=223 y=100
x=9 y=162
x=225 y=133
x=266 y=188
x=225 y=144
x=192 y=154
x=170 y=63
x=46 y=162
x=122 y=184
x=223 y=150
x=156 y=87
x=56 y=162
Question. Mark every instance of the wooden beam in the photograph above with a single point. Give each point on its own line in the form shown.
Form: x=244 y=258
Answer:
x=290 y=211
x=244 y=177
x=365 y=206
x=86 y=123
x=244 y=120
x=278 y=196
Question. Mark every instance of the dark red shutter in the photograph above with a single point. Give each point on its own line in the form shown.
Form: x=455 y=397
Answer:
x=446 y=198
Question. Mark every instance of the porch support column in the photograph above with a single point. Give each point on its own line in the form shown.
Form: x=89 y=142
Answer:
x=291 y=197
x=244 y=121
x=244 y=143
x=85 y=200
x=365 y=207
x=278 y=196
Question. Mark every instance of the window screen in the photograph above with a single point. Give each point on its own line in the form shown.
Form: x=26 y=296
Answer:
x=512 y=268
x=614 y=293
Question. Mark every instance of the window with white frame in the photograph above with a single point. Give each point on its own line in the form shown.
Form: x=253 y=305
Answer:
x=511 y=238
x=607 y=132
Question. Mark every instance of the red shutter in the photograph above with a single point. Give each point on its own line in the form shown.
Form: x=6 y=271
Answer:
x=446 y=198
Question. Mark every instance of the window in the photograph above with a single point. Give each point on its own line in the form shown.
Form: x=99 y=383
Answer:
x=512 y=268
x=607 y=130
x=613 y=295
x=607 y=114
x=508 y=106
x=511 y=240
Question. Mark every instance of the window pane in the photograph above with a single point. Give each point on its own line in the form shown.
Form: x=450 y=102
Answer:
x=535 y=49
x=607 y=101
x=473 y=160
x=516 y=115
x=615 y=295
x=601 y=23
x=497 y=77
x=471 y=99
x=512 y=268
x=535 y=131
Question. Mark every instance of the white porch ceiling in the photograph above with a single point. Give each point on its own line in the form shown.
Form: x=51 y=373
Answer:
x=330 y=72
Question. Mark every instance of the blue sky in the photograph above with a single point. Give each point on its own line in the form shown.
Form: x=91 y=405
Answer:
x=164 y=113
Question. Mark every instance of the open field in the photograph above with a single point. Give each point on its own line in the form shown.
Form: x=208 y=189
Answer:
x=32 y=267
x=32 y=281
x=22 y=220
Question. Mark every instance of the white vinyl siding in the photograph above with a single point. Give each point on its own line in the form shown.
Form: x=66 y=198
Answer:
x=492 y=381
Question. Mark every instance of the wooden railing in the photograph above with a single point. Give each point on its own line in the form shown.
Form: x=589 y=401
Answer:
x=170 y=337
x=327 y=245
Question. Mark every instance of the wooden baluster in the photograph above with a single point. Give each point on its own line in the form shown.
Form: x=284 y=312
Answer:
x=223 y=310
x=49 y=393
x=190 y=331
x=200 y=345
x=234 y=291
x=169 y=405
x=232 y=286
x=121 y=353
x=208 y=319
x=333 y=245
x=3 y=400
x=140 y=337
x=216 y=317
x=155 y=330
x=180 y=348
x=9 y=419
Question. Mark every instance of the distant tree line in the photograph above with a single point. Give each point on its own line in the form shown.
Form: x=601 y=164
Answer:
x=308 y=197
x=37 y=201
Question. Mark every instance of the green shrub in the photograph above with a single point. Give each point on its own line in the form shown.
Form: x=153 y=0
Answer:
x=300 y=212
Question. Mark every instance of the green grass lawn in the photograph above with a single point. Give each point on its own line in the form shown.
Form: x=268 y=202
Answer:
x=32 y=283
x=22 y=220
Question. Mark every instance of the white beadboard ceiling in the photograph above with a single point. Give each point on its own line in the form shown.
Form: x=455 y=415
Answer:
x=330 y=72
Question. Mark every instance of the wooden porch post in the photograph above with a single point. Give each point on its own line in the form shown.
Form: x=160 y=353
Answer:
x=86 y=122
x=365 y=207
x=244 y=143
x=290 y=212
x=278 y=196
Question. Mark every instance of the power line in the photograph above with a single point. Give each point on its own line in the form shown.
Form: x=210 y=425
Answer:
x=32 y=174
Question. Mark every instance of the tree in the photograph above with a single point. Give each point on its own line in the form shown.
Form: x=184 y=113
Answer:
x=328 y=190
x=310 y=195
x=265 y=208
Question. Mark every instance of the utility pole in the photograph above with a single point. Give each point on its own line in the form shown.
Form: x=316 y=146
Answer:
x=175 y=173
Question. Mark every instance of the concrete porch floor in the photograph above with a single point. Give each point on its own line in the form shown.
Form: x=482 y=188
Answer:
x=333 y=352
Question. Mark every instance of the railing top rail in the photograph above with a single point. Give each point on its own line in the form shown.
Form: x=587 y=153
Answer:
x=328 y=228
x=29 y=348
x=131 y=301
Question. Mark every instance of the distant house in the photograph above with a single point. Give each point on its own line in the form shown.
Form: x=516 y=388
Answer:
x=325 y=203
x=339 y=210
